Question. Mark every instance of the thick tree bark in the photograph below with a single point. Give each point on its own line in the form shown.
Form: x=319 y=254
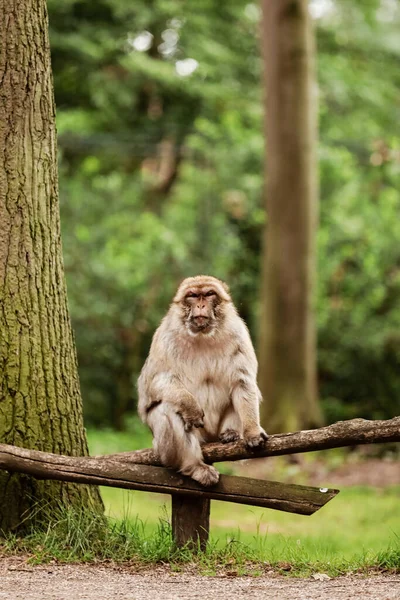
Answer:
x=40 y=403
x=287 y=334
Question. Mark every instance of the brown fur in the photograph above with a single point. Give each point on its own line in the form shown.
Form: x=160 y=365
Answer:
x=199 y=382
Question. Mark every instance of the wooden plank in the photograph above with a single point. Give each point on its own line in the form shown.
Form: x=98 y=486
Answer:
x=190 y=521
x=344 y=433
x=111 y=472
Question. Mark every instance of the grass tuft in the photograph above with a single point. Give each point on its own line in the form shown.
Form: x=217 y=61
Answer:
x=72 y=535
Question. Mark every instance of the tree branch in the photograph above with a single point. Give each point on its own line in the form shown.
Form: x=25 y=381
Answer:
x=343 y=433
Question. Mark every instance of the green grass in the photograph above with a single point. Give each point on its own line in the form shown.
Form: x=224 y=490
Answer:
x=358 y=522
x=359 y=527
x=71 y=536
x=109 y=441
x=357 y=530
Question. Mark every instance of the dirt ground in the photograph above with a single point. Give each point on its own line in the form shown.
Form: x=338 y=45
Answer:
x=21 y=581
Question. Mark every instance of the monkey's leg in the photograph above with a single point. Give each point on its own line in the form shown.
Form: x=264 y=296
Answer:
x=231 y=428
x=178 y=448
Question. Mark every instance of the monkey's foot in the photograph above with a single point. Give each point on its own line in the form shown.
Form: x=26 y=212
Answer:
x=255 y=441
x=229 y=435
x=206 y=475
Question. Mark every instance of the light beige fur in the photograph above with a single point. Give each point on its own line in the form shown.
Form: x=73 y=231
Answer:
x=199 y=382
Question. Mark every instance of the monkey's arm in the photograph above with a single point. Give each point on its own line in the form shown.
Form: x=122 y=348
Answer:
x=246 y=396
x=245 y=399
x=164 y=387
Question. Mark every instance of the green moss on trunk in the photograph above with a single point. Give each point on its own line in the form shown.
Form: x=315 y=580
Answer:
x=40 y=402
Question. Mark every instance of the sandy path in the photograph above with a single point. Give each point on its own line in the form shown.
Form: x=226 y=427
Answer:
x=19 y=581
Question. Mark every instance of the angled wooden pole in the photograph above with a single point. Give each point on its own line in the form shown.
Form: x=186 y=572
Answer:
x=190 y=501
x=111 y=472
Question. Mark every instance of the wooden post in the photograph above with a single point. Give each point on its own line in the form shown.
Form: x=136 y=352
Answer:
x=190 y=521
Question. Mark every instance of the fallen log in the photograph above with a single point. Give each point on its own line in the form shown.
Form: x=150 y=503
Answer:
x=344 y=433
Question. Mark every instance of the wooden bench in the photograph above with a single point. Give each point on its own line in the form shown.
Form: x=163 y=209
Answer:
x=141 y=470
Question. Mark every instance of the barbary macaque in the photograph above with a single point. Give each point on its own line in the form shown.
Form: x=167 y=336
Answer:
x=199 y=382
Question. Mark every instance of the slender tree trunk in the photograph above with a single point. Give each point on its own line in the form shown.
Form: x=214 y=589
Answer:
x=287 y=337
x=40 y=402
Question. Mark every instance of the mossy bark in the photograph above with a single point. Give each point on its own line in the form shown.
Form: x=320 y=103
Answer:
x=287 y=349
x=40 y=402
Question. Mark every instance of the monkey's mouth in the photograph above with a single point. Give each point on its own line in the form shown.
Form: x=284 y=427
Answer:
x=198 y=324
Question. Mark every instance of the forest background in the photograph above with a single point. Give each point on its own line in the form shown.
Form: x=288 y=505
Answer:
x=161 y=150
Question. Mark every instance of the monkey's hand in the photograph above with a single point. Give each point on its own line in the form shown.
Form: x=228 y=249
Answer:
x=191 y=413
x=255 y=439
x=229 y=435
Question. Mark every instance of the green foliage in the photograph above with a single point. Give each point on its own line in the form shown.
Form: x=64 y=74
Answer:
x=162 y=175
x=359 y=257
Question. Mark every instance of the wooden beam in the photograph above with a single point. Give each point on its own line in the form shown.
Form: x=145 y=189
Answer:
x=112 y=472
x=341 y=434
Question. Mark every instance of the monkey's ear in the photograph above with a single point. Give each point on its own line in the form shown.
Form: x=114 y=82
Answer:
x=181 y=291
x=226 y=287
x=178 y=296
x=222 y=290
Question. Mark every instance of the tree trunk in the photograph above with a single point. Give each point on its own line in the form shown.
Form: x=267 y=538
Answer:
x=40 y=402
x=287 y=336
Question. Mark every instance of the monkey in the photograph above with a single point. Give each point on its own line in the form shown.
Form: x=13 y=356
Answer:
x=199 y=382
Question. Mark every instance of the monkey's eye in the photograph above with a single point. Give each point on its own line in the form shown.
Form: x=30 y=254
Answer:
x=210 y=293
x=192 y=295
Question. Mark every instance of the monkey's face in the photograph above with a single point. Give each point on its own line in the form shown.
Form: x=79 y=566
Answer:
x=202 y=300
x=201 y=309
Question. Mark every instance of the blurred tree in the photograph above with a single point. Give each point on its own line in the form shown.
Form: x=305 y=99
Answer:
x=287 y=329
x=40 y=406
